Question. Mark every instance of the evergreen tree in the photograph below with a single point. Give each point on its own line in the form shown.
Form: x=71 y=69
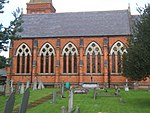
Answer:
x=10 y=32
x=3 y=62
x=136 y=62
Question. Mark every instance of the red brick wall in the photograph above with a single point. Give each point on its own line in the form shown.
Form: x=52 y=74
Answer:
x=58 y=71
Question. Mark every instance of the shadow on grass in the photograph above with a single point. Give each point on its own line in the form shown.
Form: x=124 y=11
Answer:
x=140 y=103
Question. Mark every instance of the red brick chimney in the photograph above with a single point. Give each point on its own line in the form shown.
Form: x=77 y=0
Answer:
x=40 y=7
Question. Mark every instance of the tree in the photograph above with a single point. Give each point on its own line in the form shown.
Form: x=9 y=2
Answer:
x=10 y=32
x=3 y=62
x=136 y=63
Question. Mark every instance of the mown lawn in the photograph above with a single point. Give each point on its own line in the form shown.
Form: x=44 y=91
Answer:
x=134 y=101
x=34 y=95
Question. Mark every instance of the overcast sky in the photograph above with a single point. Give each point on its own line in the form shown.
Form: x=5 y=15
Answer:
x=62 y=6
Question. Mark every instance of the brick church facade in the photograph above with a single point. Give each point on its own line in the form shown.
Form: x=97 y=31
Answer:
x=71 y=47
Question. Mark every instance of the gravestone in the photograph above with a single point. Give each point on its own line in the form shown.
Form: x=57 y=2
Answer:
x=63 y=109
x=11 y=85
x=62 y=89
x=27 y=84
x=70 y=103
x=17 y=88
x=135 y=84
x=40 y=85
x=90 y=85
x=77 y=110
x=9 y=104
x=2 y=89
x=35 y=84
x=22 y=88
x=24 y=102
x=54 y=97
x=126 y=86
x=7 y=89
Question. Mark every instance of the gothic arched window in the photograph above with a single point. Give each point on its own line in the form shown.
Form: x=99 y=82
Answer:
x=23 y=54
x=117 y=50
x=70 y=54
x=93 y=55
x=47 y=54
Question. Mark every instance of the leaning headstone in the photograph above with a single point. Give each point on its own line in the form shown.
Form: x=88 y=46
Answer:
x=11 y=85
x=70 y=103
x=62 y=89
x=63 y=109
x=27 y=84
x=35 y=84
x=22 y=88
x=77 y=110
x=9 y=104
x=54 y=97
x=24 y=102
x=7 y=89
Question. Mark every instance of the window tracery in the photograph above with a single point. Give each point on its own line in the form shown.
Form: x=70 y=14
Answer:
x=23 y=54
x=117 y=50
x=47 y=54
x=93 y=54
x=70 y=60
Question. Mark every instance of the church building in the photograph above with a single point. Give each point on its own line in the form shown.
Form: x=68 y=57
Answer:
x=73 y=47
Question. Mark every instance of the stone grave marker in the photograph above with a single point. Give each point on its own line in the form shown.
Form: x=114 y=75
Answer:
x=7 y=89
x=27 y=84
x=70 y=103
x=2 y=88
x=62 y=89
x=22 y=88
x=17 y=88
x=10 y=103
x=35 y=84
x=77 y=110
x=11 y=85
x=63 y=109
x=126 y=86
x=40 y=85
x=54 y=97
x=24 y=102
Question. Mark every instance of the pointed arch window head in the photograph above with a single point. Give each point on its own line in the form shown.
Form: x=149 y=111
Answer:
x=93 y=47
x=23 y=49
x=118 y=47
x=47 y=49
x=70 y=48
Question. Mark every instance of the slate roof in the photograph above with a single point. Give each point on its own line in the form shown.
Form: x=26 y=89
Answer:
x=101 y=23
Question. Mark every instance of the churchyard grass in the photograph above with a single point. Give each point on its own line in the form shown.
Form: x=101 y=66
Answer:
x=134 y=101
x=34 y=95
